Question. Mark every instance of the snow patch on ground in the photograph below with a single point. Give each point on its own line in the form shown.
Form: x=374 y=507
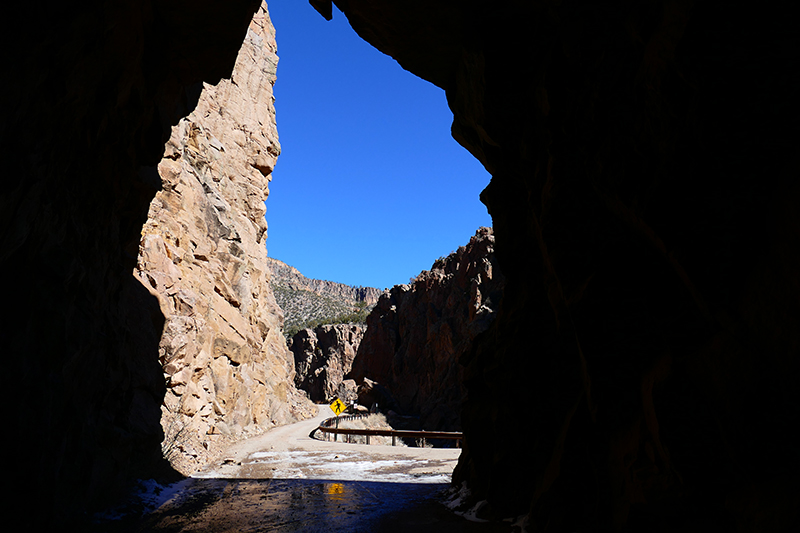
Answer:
x=456 y=497
x=345 y=466
x=348 y=466
x=458 y=500
x=471 y=514
x=147 y=496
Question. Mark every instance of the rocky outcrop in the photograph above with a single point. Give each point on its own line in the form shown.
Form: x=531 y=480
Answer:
x=307 y=302
x=225 y=362
x=644 y=202
x=283 y=274
x=94 y=98
x=418 y=332
x=322 y=357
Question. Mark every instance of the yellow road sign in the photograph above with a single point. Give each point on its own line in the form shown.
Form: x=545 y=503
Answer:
x=337 y=406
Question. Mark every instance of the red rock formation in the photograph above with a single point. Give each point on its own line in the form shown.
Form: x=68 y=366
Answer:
x=418 y=332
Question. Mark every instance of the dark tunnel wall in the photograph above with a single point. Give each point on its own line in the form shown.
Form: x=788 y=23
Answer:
x=644 y=198
x=91 y=91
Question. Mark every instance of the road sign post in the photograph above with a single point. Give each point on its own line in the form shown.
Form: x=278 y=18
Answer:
x=338 y=407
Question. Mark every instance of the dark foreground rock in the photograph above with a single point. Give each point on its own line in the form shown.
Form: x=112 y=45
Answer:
x=418 y=332
x=644 y=200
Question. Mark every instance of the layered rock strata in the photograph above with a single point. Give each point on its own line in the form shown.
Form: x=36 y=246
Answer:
x=308 y=302
x=322 y=357
x=644 y=201
x=202 y=253
x=286 y=275
x=418 y=332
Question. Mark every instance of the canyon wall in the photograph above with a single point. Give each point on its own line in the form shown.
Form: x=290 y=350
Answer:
x=291 y=277
x=308 y=303
x=418 y=332
x=203 y=255
x=322 y=357
x=644 y=155
x=644 y=200
x=93 y=92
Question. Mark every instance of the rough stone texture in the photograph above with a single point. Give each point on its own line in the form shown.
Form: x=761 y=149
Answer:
x=644 y=153
x=322 y=358
x=291 y=277
x=307 y=302
x=418 y=332
x=644 y=200
x=203 y=254
x=96 y=88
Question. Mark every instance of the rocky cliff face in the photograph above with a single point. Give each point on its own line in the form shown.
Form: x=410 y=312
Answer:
x=203 y=255
x=308 y=302
x=418 y=332
x=94 y=99
x=322 y=357
x=288 y=275
x=644 y=201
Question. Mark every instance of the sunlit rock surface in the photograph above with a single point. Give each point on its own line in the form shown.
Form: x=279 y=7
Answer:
x=308 y=302
x=96 y=88
x=290 y=278
x=203 y=254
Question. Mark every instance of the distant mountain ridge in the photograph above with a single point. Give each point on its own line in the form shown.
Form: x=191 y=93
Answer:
x=308 y=302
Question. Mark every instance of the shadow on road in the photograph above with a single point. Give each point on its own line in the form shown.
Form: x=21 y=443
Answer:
x=299 y=505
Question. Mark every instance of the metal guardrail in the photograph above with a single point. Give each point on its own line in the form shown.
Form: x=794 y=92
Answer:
x=326 y=427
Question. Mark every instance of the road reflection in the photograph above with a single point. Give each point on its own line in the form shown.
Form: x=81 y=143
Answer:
x=299 y=505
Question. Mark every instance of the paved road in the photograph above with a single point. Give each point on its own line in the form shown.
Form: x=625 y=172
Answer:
x=284 y=481
x=289 y=452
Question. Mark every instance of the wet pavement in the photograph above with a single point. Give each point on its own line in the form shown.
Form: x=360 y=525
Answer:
x=285 y=481
x=299 y=505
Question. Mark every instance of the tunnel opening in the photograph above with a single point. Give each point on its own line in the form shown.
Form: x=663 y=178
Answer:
x=204 y=266
x=622 y=147
x=228 y=374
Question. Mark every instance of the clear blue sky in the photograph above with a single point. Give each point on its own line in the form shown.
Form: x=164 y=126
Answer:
x=370 y=188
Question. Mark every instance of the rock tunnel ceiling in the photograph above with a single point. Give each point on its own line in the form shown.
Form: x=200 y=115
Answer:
x=644 y=203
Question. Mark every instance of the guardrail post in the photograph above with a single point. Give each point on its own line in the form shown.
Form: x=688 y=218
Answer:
x=393 y=437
